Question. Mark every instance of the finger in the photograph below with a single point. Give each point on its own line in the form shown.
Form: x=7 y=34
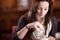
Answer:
x=37 y=25
x=51 y=38
x=40 y=26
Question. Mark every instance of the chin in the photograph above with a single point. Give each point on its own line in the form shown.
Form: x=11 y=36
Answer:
x=42 y=16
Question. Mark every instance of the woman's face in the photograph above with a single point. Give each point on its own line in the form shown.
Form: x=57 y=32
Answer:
x=43 y=8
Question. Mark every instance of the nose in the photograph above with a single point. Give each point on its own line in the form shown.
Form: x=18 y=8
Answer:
x=42 y=11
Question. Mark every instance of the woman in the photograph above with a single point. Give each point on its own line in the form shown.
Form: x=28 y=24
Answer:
x=37 y=24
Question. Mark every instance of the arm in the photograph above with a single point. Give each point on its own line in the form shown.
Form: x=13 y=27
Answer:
x=54 y=29
x=22 y=33
x=21 y=30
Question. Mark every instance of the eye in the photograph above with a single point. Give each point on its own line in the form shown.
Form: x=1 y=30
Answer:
x=39 y=8
x=45 y=9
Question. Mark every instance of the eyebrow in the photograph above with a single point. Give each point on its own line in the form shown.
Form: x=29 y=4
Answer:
x=40 y=7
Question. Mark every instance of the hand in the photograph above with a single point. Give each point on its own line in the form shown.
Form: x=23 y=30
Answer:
x=39 y=25
x=51 y=38
x=31 y=25
x=35 y=25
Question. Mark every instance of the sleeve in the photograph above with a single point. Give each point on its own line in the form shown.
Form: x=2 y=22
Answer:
x=21 y=24
x=54 y=27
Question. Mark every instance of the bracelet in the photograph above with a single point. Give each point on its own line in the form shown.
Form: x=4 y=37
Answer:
x=27 y=27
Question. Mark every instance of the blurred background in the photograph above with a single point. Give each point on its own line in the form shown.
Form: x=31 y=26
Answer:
x=11 y=10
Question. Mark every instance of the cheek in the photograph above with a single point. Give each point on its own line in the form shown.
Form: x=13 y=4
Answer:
x=45 y=12
x=38 y=11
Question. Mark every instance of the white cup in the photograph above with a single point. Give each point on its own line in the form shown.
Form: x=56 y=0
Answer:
x=57 y=35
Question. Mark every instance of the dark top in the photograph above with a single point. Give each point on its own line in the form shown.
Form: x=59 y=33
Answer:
x=22 y=23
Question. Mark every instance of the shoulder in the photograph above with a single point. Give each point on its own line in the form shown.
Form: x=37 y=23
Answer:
x=54 y=18
x=22 y=20
x=54 y=26
x=23 y=17
x=54 y=21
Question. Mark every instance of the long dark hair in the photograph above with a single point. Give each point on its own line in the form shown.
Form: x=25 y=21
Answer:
x=31 y=17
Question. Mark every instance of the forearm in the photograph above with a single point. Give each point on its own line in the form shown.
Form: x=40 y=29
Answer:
x=22 y=33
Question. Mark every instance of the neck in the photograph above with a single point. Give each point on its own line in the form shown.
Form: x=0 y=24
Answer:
x=41 y=20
